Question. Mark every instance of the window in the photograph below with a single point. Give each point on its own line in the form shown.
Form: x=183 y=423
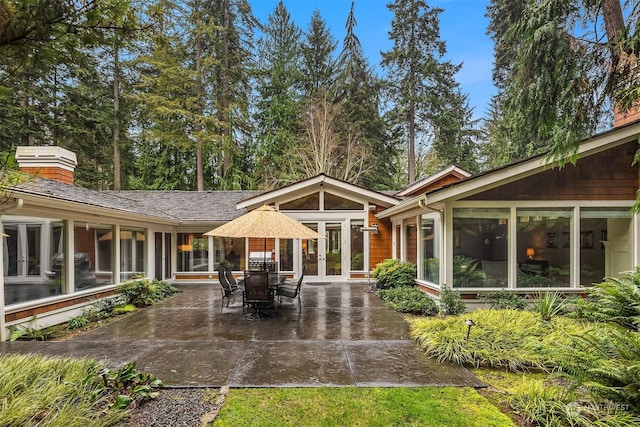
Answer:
x=357 y=245
x=543 y=247
x=333 y=202
x=307 y=203
x=132 y=254
x=193 y=252
x=430 y=238
x=33 y=258
x=231 y=250
x=480 y=247
x=91 y=252
x=286 y=254
x=605 y=243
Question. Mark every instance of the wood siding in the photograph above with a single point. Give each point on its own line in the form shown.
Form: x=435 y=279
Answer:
x=35 y=311
x=380 y=246
x=603 y=176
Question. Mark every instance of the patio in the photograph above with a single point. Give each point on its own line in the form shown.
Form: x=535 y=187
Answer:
x=342 y=336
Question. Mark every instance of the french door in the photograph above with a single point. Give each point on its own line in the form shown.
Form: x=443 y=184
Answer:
x=323 y=259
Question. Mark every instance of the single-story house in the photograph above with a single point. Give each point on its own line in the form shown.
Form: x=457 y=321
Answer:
x=524 y=227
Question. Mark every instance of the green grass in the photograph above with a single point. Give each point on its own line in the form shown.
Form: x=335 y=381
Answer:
x=350 y=406
x=52 y=392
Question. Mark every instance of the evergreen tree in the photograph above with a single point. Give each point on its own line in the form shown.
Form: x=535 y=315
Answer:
x=319 y=65
x=420 y=84
x=561 y=68
x=279 y=82
x=358 y=92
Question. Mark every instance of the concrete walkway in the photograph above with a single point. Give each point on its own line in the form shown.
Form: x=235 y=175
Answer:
x=342 y=336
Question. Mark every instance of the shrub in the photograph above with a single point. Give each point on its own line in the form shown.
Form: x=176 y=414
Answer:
x=141 y=292
x=549 y=304
x=504 y=300
x=393 y=273
x=451 y=303
x=614 y=300
x=408 y=300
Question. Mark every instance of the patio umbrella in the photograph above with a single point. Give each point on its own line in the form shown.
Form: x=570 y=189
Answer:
x=264 y=222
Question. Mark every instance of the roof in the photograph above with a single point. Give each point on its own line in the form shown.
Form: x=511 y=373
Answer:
x=179 y=206
x=512 y=172
x=192 y=206
x=426 y=182
x=303 y=187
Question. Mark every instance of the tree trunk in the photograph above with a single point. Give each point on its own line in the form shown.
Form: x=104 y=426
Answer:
x=614 y=26
x=225 y=120
x=116 y=119
x=199 y=111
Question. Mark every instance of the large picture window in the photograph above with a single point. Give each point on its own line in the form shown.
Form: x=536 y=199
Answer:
x=33 y=258
x=544 y=247
x=480 y=247
x=193 y=252
x=606 y=244
x=93 y=249
x=357 y=244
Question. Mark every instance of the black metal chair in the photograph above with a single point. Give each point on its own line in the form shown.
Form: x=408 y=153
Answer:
x=257 y=293
x=227 y=290
x=290 y=290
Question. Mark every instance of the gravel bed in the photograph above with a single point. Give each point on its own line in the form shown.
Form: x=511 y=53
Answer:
x=184 y=407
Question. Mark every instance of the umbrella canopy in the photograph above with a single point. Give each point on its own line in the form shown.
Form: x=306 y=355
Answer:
x=264 y=222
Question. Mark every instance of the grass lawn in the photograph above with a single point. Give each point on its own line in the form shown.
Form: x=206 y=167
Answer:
x=420 y=406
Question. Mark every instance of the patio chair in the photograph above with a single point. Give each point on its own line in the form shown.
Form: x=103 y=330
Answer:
x=257 y=293
x=228 y=291
x=232 y=281
x=290 y=290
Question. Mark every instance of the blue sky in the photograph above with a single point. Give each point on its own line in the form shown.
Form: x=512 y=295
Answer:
x=462 y=26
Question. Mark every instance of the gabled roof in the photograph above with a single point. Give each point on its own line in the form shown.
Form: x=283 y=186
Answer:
x=311 y=184
x=424 y=184
x=513 y=172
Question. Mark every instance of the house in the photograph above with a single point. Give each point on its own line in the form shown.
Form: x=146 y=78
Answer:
x=115 y=236
x=524 y=227
x=528 y=226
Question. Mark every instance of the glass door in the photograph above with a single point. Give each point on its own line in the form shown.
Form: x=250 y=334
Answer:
x=323 y=258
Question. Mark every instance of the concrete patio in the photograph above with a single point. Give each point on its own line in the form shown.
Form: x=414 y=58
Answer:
x=341 y=336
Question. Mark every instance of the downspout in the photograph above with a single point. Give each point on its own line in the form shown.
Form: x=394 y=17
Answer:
x=17 y=204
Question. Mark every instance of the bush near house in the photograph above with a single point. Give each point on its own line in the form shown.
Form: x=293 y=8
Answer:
x=393 y=273
x=408 y=300
x=141 y=292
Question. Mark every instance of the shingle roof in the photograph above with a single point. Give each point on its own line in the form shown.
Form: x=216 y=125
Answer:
x=192 y=206
x=183 y=206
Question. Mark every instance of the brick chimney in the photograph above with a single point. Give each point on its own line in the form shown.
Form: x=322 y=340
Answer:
x=629 y=116
x=54 y=163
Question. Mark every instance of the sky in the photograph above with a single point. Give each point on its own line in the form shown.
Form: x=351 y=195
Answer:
x=462 y=27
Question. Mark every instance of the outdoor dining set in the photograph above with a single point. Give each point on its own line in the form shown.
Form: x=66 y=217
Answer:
x=259 y=288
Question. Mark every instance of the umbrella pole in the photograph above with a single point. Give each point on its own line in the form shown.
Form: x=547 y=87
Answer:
x=264 y=256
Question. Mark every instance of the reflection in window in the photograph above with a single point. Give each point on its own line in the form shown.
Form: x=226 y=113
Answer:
x=410 y=242
x=480 y=247
x=307 y=203
x=93 y=249
x=430 y=237
x=230 y=250
x=605 y=243
x=357 y=245
x=33 y=258
x=286 y=254
x=543 y=247
x=333 y=202
x=132 y=254
x=193 y=252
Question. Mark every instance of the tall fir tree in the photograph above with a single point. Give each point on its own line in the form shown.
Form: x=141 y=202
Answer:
x=420 y=83
x=358 y=93
x=280 y=83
